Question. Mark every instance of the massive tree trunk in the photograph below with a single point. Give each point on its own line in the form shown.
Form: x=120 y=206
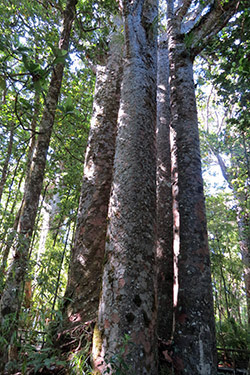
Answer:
x=128 y=301
x=194 y=337
x=84 y=283
x=164 y=199
x=11 y=297
x=194 y=330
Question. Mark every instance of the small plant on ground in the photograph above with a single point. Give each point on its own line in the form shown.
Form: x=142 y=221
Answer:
x=80 y=361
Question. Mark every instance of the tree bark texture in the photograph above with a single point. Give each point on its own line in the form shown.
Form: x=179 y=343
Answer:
x=86 y=265
x=10 y=301
x=194 y=336
x=164 y=198
x=128 y=300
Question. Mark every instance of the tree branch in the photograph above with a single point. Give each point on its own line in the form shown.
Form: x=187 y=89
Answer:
x=224 y=169
x=182 y=11
x=67 y=149
x=211 y=23
x=20 y=120
x=193 y=16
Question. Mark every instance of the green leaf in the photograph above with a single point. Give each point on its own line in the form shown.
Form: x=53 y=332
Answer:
x=59 y=60
x=37 y=86
x=69 y=104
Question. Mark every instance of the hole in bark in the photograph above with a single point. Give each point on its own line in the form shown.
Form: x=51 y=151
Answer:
x=137 y=300
x=130 y=317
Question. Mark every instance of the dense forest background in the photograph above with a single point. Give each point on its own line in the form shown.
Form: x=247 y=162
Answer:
x=33 y=47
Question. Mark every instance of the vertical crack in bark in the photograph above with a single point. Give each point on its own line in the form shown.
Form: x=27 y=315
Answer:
x=176 y=220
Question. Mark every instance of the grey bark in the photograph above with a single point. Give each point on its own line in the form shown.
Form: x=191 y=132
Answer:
x=164 y=198
x=194 y=330
x=194 y=337
x=211 y=23
x=11 y=297
x=128 y=300
x=84 y=282
x=194 y=334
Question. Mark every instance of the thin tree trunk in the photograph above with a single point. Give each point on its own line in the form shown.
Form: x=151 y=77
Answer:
x=194 y=336
x=243 y=223
x=59 y=221
x=10 y=301
x=128 y=300
x=29 y=156
x=49 y=208
x=32 y=143
x=10 y=193
x=6 y=162
x=60 y=268
x=225 y=289
x=164 y=199
x=6 y=243
x=12 y=235
x=86 y=264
